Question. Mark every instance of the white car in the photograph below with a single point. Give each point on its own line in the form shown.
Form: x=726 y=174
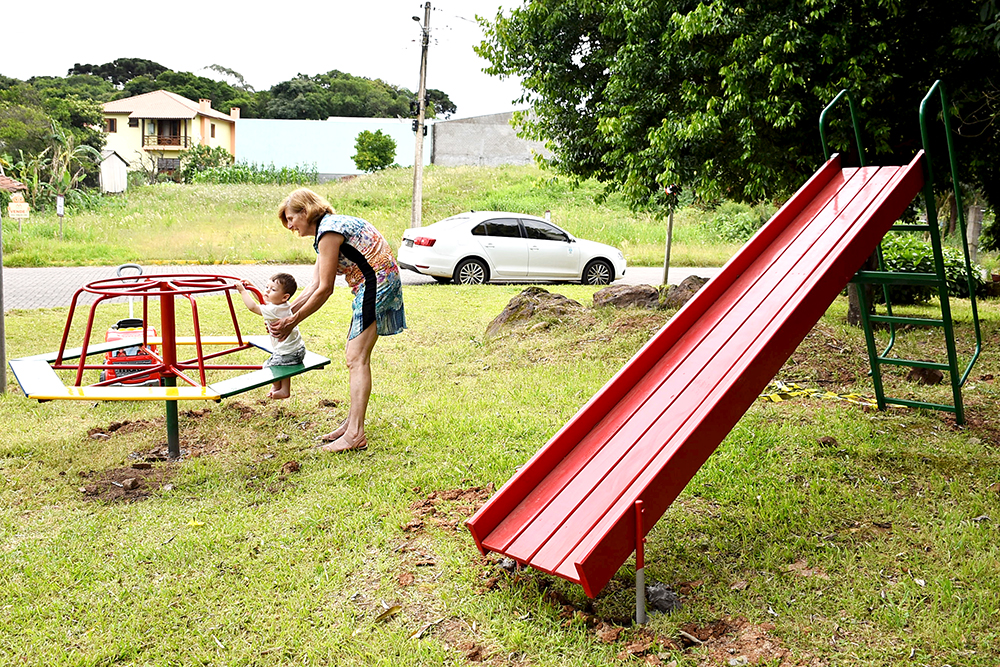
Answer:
x=476 y=247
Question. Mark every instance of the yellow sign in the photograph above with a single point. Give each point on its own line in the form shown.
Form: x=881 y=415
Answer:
x=18 y=208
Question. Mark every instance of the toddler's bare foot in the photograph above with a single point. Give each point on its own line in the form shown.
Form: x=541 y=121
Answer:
x=278 y=394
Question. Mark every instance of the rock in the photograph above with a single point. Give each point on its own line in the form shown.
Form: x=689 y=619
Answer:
x=536 y=302
x=661 y=598
x=130 y=483
x=627 y=296
x=677 y=295
x=925 y=376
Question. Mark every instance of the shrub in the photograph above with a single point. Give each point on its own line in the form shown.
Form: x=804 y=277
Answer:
x=738 y=222
x=908 y=253
x=375 y=151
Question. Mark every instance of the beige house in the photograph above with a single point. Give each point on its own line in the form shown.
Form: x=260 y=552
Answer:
x=152 y=129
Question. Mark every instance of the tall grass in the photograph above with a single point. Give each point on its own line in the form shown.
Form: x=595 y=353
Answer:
x=235 y=223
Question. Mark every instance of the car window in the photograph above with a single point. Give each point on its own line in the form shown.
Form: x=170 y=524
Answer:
x=506 y=227
x=543 y=231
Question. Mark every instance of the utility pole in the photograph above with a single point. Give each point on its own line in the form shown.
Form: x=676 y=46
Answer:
x=418 y=157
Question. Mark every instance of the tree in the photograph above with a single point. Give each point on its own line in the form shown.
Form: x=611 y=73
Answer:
x=725 y=96
x=121 y=71
x=440 y=104
x=375 y=151
x=336 y=94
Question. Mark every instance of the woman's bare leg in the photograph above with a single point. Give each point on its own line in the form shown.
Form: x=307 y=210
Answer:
x=358 y=353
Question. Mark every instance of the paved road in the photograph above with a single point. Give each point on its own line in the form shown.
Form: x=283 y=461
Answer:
x=54 y=287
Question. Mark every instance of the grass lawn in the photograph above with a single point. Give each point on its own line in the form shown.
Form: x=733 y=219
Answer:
x=234 y=224
x=821 y=532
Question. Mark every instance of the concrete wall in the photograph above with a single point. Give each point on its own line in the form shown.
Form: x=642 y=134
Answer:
x=329 y=144
x=482 y=141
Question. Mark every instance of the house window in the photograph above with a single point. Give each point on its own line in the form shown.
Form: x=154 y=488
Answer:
x=110 y=125
x=133 y=122
x=213 y=130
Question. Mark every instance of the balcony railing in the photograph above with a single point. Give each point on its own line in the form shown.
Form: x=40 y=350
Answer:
x=166 y=141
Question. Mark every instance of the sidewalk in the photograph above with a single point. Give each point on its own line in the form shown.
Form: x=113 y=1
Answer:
x=53 y=287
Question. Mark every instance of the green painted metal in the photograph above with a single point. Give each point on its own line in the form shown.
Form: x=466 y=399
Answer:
x=936 y=280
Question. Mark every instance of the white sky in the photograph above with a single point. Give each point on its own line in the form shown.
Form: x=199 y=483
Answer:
x=267 y=42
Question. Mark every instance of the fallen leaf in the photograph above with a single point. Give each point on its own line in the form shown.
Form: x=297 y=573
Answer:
x=195 y=524
x=388 y=613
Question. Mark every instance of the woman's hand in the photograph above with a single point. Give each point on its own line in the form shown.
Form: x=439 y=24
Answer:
x=281 y=328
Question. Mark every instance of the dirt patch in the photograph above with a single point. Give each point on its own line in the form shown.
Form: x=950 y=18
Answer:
x=130 y=484
x=738 y=642
x=448 y=509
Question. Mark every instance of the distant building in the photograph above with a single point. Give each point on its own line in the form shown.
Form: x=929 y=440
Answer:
x=330 y=144
x=326 y=144
x=486 y=141
x=153 y=128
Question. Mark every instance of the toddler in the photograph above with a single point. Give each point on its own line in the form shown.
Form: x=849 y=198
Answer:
x=291 y=350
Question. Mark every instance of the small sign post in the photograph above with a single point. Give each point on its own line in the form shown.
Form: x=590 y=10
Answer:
x=18 y=209
x=60 y=210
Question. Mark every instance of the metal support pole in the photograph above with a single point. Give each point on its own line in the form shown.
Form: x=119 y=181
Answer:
x=168 y=350
x=173 y=429
x=416 y=210
x=640 y=566
x=666 y=258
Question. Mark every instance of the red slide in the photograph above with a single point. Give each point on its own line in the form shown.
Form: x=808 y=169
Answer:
x=570 y=510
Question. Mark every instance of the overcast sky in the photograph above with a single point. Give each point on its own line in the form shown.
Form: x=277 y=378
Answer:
x=266 y=42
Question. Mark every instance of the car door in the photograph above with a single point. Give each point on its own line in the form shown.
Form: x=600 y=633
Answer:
x=551 y=251
x=504 y=245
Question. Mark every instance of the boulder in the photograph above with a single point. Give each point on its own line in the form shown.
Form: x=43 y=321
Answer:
x=535 y=302
x=677 y=295
x=626 y=296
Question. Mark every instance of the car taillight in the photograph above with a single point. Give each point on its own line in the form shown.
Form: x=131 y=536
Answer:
x=423 y=240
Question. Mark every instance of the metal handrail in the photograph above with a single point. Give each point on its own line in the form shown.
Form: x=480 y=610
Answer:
x=854 y=121
x=938 y=87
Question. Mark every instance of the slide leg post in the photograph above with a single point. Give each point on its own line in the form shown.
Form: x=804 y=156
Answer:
x=640 y=566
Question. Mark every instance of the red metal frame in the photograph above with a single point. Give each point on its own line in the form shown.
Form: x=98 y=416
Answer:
x=166 y=288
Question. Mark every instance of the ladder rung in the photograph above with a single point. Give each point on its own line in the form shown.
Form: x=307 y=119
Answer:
x=910 y=227
x=912 y=363
x=921 y=404
x=915 y=321
x=896 y=278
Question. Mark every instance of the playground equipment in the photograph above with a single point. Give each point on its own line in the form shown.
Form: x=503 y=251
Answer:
x=588 y=498
x=37 y=374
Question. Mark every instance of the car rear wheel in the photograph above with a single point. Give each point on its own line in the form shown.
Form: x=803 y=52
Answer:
x=471 y=272
x=598 y=272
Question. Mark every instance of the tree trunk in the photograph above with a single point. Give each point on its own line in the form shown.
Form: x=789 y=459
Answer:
x=853 y=302
x=974 y=227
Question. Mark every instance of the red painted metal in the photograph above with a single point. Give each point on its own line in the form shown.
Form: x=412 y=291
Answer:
x=570 y=510
x=165 y=288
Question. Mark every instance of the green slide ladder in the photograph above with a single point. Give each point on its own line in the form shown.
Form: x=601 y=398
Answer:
x=936 y=280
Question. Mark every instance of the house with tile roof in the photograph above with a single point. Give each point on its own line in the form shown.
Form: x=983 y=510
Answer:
x=153 y=128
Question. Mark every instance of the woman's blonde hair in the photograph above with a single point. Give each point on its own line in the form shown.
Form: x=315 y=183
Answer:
x=304 y=199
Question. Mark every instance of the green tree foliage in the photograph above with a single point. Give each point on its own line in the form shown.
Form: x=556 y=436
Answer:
x=121 y=71
x=197 y=159
x=725 y=96
x=440 y=104
x=40 y=118
x=375 y=151
x=336 y=94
